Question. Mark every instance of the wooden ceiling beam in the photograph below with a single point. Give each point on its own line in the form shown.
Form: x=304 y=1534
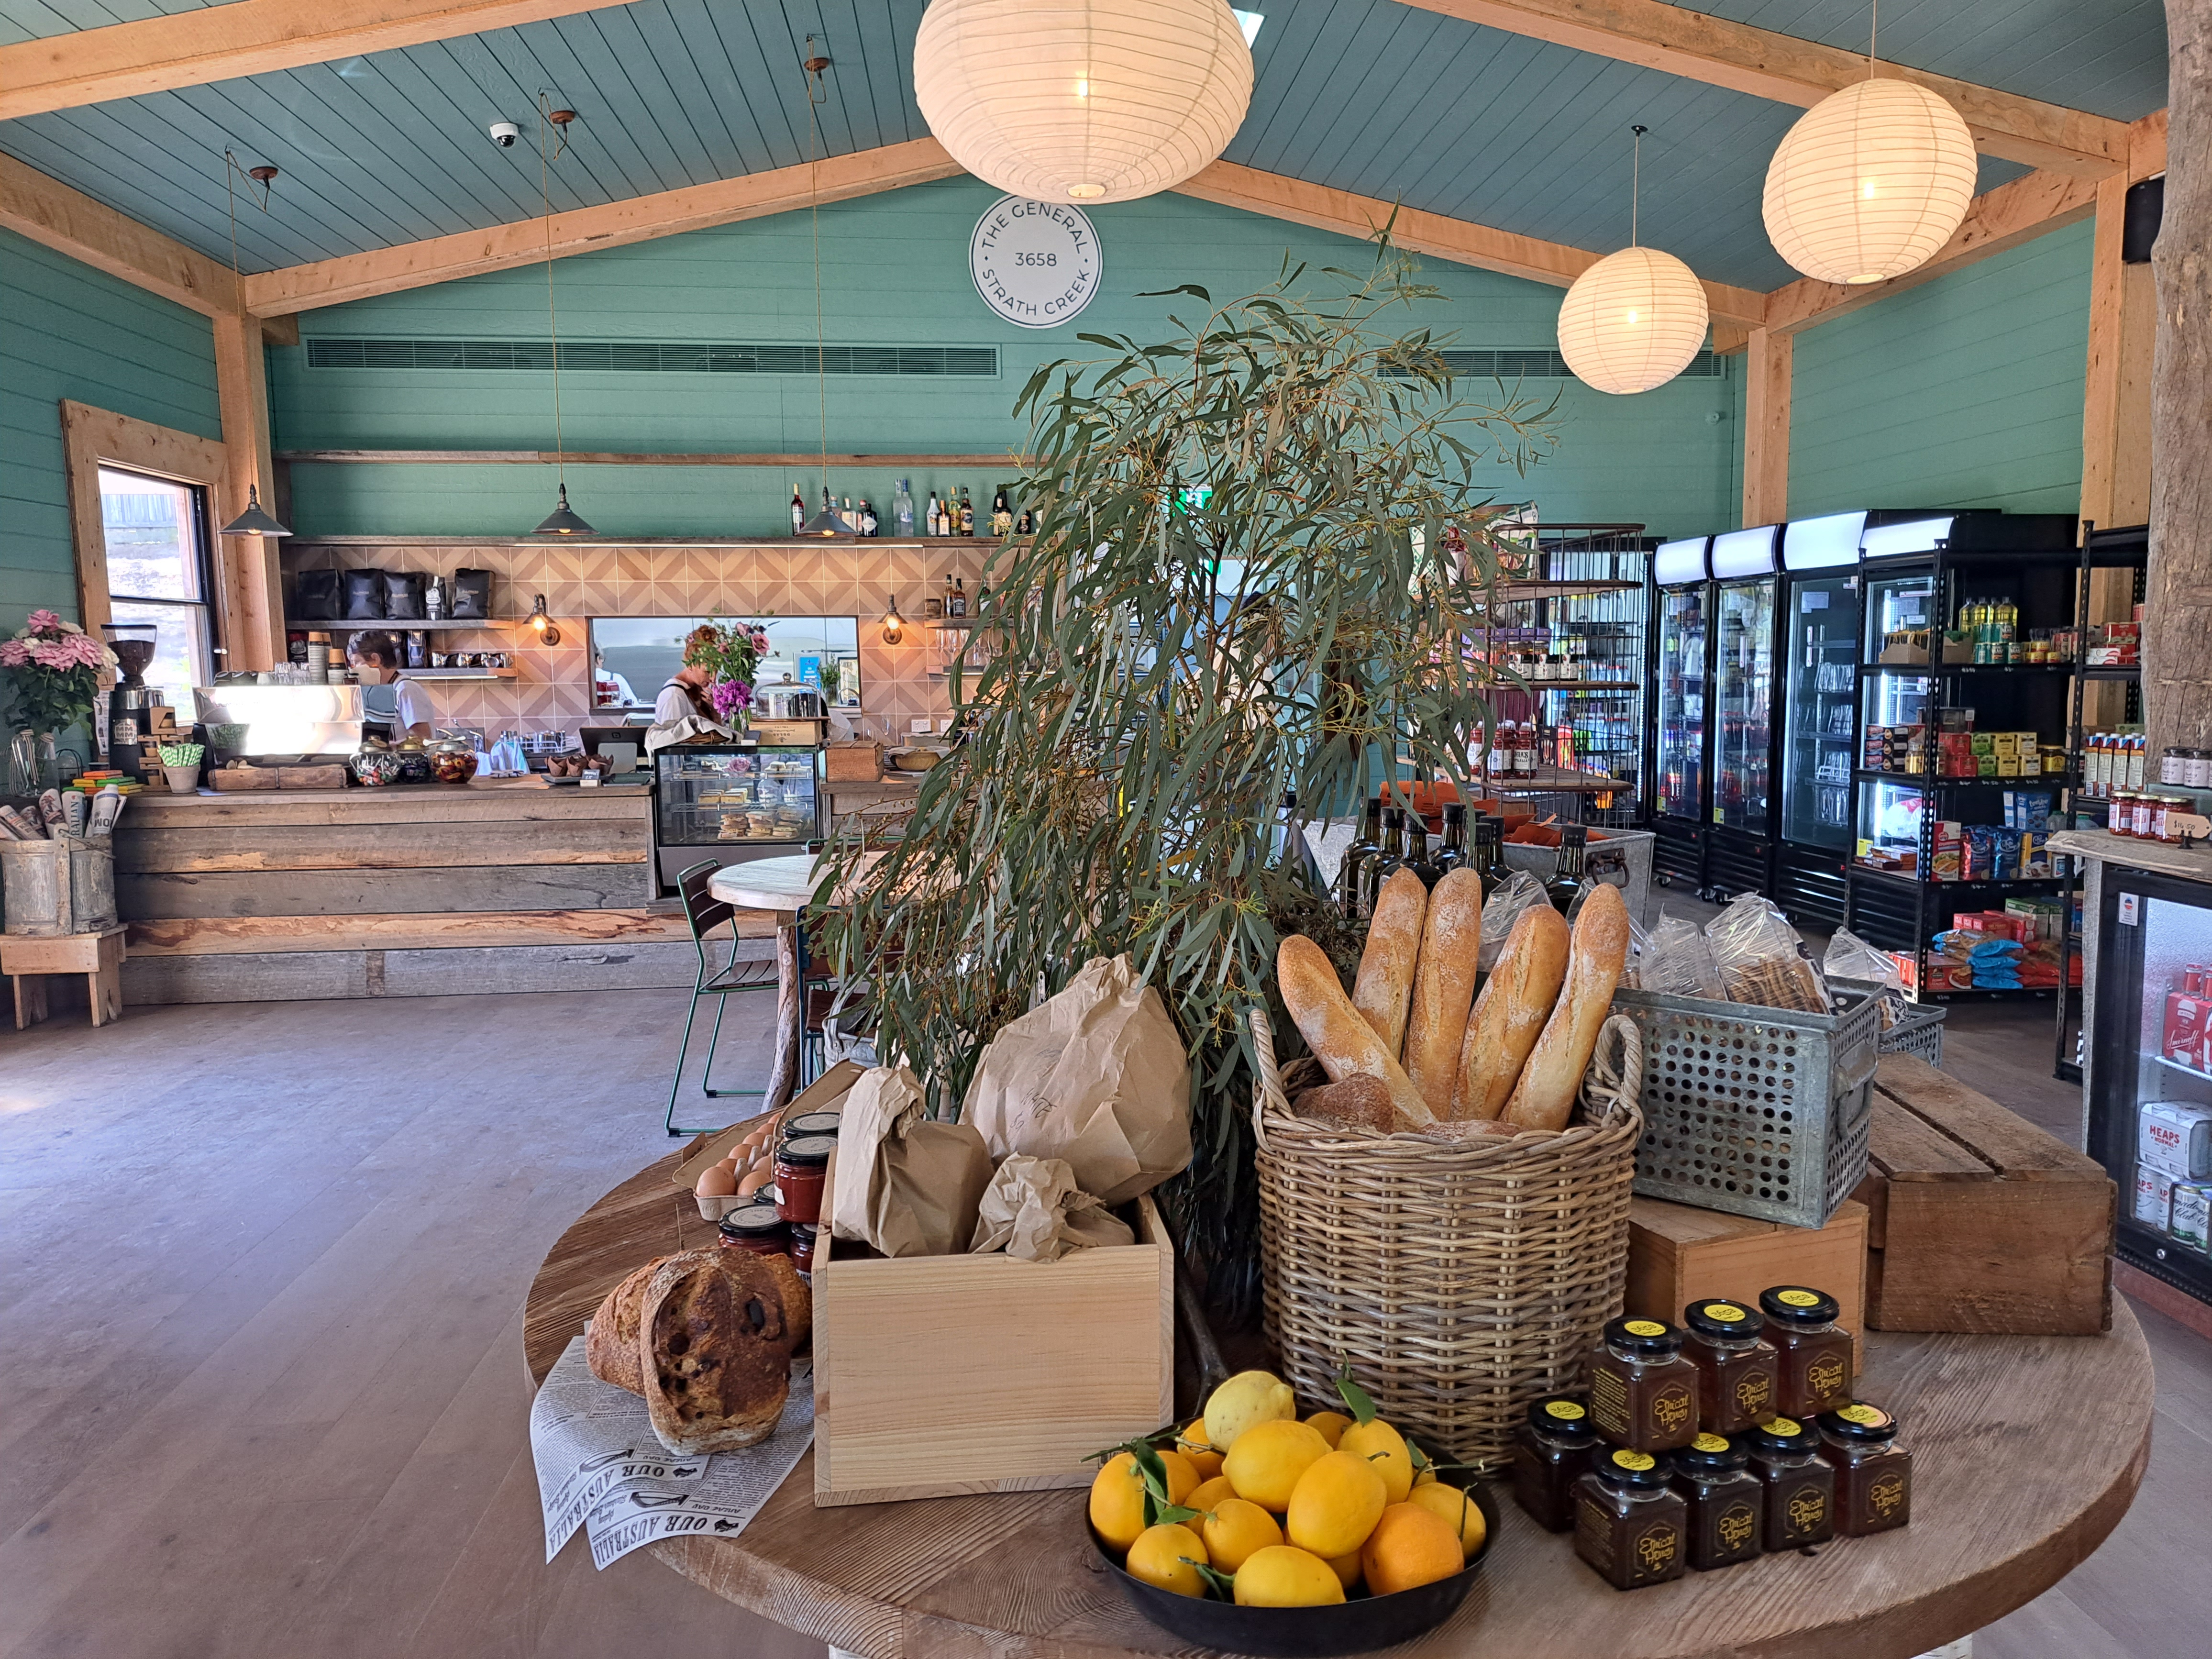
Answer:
x=1460 y=240
x=1787 y=70
x=69 y=222
x=586 y=230
x=244 y=37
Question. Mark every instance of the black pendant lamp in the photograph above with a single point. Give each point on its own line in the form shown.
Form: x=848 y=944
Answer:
x=559 y=521
x=255 y=520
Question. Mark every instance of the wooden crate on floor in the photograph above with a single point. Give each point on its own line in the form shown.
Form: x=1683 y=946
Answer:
x=1977 y=1220
x=1679 y=1254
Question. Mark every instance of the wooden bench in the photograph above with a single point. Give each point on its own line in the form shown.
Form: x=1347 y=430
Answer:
x=98 y=956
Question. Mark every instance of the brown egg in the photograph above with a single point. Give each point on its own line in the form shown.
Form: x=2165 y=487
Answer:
x=755 y=1180
x=717 y=1183
x=759 y=1136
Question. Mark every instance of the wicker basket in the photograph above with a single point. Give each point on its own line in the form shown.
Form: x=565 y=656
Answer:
x=1457 y=1281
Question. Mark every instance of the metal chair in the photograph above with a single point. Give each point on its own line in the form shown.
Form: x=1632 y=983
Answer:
x=705 y=913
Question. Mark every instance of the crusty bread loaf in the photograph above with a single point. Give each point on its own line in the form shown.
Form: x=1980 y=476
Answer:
x=611 y=1342
x=1358 y=1103
x=1385 y=980
x=1510 y=1014
x=1345 y=1043
x=715 y=1351
x=1545 y=1097
x=798 y=1301
x=1444 y=987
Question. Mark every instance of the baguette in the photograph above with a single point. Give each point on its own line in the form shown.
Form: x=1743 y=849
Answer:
x=1444 y=987
x=1510 y=1014
x=1344 y=1043
x=1358 y=1103
x=1545 y=1097
x=1394 y=951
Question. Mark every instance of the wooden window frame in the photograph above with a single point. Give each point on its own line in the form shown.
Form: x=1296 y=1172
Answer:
x=93 y=438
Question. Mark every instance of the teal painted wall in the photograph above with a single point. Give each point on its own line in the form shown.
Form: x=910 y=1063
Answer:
x=71 y=331
x=894 y=270
x=1967 y=392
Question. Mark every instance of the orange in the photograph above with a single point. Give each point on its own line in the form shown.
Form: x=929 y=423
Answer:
x=1410 y=1546
x=1457 y=1511
x=1236 y=1531
x=1268 y=1459
x=1331 y=1425
x=1346 y=1569
x=1117 y=1501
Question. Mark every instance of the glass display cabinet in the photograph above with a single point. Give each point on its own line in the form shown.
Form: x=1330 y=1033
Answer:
x=734 y=803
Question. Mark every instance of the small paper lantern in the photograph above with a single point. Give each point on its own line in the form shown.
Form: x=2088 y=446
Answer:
x=1633 y=321
x=1869 y=183
x=1082 y=100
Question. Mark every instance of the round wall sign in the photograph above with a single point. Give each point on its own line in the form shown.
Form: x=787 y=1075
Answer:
x=1035 y=263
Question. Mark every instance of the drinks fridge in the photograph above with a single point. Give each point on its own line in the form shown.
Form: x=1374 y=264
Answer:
x=1679 y=815
x=1739 y=852
x=2150 y=1083
x=1820 y=717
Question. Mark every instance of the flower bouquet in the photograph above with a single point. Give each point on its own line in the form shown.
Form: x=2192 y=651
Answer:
x=52 y=672
x=732 y=653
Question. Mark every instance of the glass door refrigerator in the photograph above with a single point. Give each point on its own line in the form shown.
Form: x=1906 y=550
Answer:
x=1740 y=850
x=1682 y=659
x=733 y=803
x=2150 y=1071
x=1819 y=714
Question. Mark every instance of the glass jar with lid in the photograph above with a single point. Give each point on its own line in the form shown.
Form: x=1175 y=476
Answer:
x=1797 y=1485
x=1628 y=1521
x=1738 y=1370
x=2197 y=769
x=802 y=1169
x=1874 y=1474
x=1551 y=1450
x=757 y=1228
x=1643 y=1395
x=1814 y=1352
x=1723 y=1498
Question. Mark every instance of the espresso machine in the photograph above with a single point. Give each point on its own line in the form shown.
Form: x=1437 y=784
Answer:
x=128 y=703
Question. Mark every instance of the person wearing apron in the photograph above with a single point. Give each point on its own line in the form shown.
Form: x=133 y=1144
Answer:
x=391 y=709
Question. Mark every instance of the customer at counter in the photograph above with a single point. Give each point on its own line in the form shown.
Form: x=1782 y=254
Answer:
x=394 y=709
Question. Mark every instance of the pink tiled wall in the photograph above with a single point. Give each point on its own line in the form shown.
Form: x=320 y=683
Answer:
x=552 y=689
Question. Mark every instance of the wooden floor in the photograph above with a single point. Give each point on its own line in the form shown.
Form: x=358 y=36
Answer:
x=261 y=1385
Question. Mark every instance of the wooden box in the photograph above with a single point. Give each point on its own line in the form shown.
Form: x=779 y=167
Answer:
x=938 y=1376
x=1678 y=1254
x=1977 y=1220
x=852 y=762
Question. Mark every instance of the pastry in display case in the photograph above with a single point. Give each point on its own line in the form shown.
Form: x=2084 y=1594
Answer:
x=724 y=796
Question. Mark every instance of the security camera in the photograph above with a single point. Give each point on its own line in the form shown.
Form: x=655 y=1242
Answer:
x=504 y=133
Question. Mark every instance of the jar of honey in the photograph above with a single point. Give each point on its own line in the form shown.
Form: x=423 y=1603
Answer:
x=1628 y=1521
x=802 y=1169
x=1797 y=1485
x=1723 y=1498
x=1643 y=1395
x=1874 y=1474
x=1737 y=1372
x=1550 y=1451
x=1814 y=1351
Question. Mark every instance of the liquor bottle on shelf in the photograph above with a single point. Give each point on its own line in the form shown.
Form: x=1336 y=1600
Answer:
x=945 y=607
x=1567 y=882
x=1026 y=523
x=929 y=516
x=1366 y=848
x=1453 y=854
x=967 y=513
x=955 y=602
x=1002 y=515
x=1419 y=858
x=1380 y=868
x=798 y=511
x=869 y=523
x=901 y=510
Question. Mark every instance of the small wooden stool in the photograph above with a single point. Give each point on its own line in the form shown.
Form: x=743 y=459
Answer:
x=98 y=956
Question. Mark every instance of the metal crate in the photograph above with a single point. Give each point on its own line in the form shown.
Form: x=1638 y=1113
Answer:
x=1753 y=1110
x=1919 y=1034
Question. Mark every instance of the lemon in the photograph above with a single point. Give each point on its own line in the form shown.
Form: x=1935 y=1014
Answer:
x=1457 y=1511
x=1346 y=1569
x=1162 y=1556
x=1335 y=1505
x=1192 y=1443
x=1117 y=1501
x=1394 y=1464
x=1247 y=1398
x=1331 y=1425
x=1183 y=1477
x=1286 y=1577
x=1268 y=1459
x=1426 y=1478
x=1210 y=1493
x=1410 y=1546
x=1236 y=1530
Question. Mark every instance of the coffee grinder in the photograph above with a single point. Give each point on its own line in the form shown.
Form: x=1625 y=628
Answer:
x=127 y=704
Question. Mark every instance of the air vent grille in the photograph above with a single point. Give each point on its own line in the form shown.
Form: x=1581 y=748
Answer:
x=1537 y=364
x=651 y=357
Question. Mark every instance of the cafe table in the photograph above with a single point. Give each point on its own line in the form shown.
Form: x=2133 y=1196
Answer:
x=2027 y=1452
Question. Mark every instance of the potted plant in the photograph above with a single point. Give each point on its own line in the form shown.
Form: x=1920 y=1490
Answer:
x=51 y=671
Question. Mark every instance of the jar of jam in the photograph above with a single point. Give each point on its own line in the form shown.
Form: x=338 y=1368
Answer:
x=1724 y=1499
x=1551 y=1452
x=804 y=1241
x=813 y=1123
x=1643 y=1395
x=1798 y=1485
x=1628 y=1521
x=1874 y=1474
x=1814 y=1351
x=757 y=1228
x=801 y=1168
x=1737 y=1372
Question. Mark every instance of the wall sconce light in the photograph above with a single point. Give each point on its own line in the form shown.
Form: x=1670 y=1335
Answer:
x=547 y=634
x=894 y=624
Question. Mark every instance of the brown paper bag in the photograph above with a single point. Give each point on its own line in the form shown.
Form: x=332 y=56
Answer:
x=1096 y=1075
x=1032 y=1210
x=899 y=1181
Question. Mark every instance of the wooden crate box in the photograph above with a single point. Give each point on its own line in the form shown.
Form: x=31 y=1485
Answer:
x=1678 y=1254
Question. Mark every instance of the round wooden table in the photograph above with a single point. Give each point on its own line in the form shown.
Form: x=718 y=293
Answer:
x=2027 y=1450
x=785 y=886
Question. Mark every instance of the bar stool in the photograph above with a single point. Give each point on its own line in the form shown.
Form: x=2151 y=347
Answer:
x=705 y=913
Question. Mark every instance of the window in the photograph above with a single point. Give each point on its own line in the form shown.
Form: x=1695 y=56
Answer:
x=156 y=533
x=640 y=654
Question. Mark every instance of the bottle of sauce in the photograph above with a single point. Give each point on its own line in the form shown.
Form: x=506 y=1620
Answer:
x=1814 y=1352
x=1723 y=1498
x=1643 y=1395
x=1567 y=880
x=1737 y=1372
x=1365 y=849
x=1628 y=1521
x=1551 y=1452
x=1874 y=1474
x=1797 y=1485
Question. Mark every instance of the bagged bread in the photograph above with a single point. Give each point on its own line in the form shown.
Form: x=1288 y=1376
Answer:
x=1762 y=959
x=1394 y=952
x=1510 y=1014
x=900 y=1181
x=1678 y=962
x=1517 y=893
x=1097 y=1075
x=1444 y=987
x=1544 y=1098
x=715 y=1352
x=1345 y=1043
x=1034 y=1211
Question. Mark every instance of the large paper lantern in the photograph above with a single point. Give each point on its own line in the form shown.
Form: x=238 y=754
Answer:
x=1870 y=182
x=1633 y=321
x=1082 y=100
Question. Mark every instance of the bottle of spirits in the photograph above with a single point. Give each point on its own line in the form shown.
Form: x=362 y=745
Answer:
x=956 y=603
x=982 y=596
x=1026 y=523
x=1366 y=847
x=929 y=519
x=947 y=610
x=1453 y=854
x=967 y=513
x=1002 y=515
x=1388 y=856
x=869 y=523
x=901 y=510
x=798 y=511
x=1566 y=883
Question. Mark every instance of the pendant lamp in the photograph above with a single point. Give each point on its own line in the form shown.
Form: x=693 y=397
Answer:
x=1870 y=182
x=1634 y=319
x=255 y=520
x=1083 y=100
x=559 y=521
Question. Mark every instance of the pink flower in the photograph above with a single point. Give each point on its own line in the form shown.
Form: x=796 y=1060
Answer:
x=52 y=653
x=42 y=622
x=14 y=654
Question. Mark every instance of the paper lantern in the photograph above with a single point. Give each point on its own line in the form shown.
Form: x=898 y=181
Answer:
x=1870 y=182
x=1633 y=321
x=1082 y=100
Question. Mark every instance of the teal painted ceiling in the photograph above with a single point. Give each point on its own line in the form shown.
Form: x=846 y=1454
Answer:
x=1368 y=95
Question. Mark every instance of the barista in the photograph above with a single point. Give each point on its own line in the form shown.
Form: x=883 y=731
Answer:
x=684 y=696
x=391 y=709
